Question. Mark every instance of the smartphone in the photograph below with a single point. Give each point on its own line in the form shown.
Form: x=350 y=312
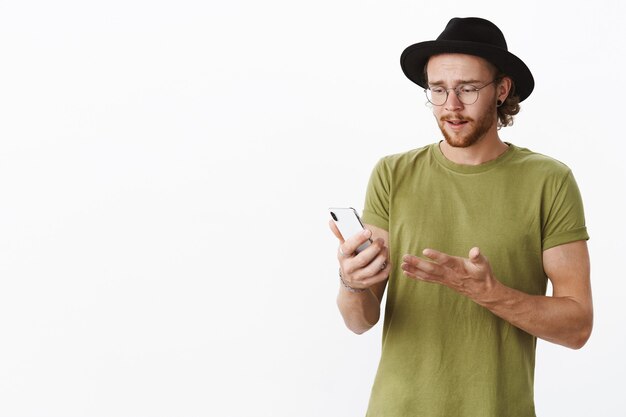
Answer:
x=349 y=224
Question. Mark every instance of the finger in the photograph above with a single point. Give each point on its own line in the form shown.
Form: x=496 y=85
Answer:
x=379 y=263
x=475 y=256
x=357 y=264
x=335 y=230
x=353 y=242
x=440 y=257
x=379 y=277
x=410 y=259
x=367 y=256
x=418 y=274
x=413 y=264
x=478 y=259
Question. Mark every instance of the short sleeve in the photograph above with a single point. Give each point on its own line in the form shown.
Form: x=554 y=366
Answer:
x=376 y=210
x=565 y=219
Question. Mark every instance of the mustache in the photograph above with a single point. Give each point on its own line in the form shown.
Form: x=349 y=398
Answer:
x=456 y=117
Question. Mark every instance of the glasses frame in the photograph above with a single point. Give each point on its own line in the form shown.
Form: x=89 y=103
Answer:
x=457 y=92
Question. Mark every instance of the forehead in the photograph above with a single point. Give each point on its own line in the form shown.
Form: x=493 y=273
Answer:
x=458 y=67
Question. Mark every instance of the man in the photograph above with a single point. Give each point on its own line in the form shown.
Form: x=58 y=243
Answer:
x=466 y=233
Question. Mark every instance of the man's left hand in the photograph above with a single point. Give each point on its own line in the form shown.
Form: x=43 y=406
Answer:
x=470 y=276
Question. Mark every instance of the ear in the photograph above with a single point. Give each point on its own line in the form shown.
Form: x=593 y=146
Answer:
x=504 y=88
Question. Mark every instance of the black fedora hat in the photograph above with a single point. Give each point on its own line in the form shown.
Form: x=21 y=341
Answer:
x=472 y=36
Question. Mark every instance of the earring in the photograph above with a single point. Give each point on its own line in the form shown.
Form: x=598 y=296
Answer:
x=498 y=103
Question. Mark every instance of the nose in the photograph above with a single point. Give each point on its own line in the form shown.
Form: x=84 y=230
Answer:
x=453 y=103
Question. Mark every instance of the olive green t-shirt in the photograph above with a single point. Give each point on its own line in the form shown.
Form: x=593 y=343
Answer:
x=443 y=354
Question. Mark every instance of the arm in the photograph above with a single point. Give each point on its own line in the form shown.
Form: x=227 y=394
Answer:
x=565 y=318
x=368 y=270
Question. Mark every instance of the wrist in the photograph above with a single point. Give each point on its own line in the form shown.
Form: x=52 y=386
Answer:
x=495 y=294
x=348 y=287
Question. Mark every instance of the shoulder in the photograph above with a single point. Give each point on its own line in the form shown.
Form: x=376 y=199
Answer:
x=543 y=173
x=404 y=160
x=539 y=163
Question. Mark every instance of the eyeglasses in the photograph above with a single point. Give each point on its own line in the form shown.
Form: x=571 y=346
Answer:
x=466 y=93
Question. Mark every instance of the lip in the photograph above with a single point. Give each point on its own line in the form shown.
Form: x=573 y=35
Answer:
x=455 y=124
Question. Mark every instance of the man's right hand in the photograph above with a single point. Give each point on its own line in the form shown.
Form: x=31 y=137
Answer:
x=367 y=268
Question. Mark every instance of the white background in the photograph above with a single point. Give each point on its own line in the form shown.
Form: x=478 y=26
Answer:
x=165 y=169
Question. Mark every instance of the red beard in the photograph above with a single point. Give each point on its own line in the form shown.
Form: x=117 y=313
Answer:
x=472 y=132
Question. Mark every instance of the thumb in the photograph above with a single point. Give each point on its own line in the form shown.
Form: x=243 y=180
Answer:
x=476 y=257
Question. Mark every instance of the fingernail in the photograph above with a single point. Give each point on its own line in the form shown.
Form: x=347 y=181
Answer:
x=366 y=233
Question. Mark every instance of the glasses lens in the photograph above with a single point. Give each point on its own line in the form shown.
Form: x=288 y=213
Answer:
x=467 y=94
x=436 y=95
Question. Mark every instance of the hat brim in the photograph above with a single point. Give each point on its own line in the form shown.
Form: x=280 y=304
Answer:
x=414 y=59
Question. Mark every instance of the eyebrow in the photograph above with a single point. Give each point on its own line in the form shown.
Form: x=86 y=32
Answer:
x=457 y=82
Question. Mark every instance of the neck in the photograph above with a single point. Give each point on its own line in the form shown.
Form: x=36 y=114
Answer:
x=484 y=150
